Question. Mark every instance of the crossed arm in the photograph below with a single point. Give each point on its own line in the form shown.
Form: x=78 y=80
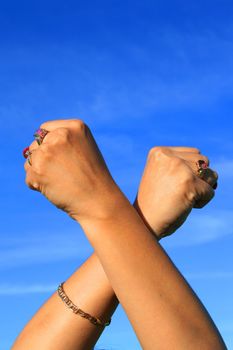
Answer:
x=56 y=327
x=161 y=306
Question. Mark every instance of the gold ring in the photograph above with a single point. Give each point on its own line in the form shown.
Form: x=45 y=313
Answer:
x=201 y=167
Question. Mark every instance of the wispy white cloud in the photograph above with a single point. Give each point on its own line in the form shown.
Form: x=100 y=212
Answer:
x=8 y=290
x=42 y=248
x=175 y=69
x=171 y=73
x=202 y=228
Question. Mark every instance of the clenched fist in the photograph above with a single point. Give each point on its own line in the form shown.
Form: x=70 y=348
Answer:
x=70 y=171
x=170 y=187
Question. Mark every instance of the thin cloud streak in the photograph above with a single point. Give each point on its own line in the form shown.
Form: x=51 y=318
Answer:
x=201 y=229
x=41 y=249
x=117 y=94
x=8 y=290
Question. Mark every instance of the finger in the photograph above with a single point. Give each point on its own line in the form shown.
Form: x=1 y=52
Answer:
x=205 y=195
x=26 y=152
x=209 y=176
x=28 y=163
x=26 y=166
x=32 y=180
x=63 y=123
x=183 y=149
x=193 y=157
x=33 y=146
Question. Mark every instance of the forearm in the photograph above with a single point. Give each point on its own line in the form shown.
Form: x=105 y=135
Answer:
x=162 y=320
x=56 y=327
x=162 y=308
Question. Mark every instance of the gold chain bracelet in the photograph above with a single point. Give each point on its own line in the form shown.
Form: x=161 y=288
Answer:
x=94 y=320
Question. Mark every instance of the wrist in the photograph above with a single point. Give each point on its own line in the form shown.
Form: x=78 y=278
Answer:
x=105 y=208
x=156 y=232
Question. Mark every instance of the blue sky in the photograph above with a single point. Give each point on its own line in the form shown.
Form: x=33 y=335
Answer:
x=140 y=73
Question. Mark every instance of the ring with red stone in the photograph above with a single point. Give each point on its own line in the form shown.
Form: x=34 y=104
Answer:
x=203 y=172
x=201 y=167
x=26 y=152
x=40 y=135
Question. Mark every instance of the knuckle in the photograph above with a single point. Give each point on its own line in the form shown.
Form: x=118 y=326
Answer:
x=43 y=153
x=33 y=146
x=191 y=197
x=156 y=151
x=151 y=153
x=78 y=124
x=177 y=165
x=41 y=158
x=59 y=136
x=39 y=167
x=62 y=132
x=35 y=186
x=31 y=182
x=43 y=125
x=188 y=188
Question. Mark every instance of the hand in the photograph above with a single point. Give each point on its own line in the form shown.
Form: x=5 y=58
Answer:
x=70 y=171
x=170 y=188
